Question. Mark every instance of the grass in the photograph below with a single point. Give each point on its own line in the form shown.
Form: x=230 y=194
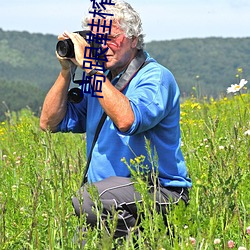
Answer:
x=40 y=172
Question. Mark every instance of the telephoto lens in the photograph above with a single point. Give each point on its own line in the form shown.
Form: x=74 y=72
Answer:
x=65 y=48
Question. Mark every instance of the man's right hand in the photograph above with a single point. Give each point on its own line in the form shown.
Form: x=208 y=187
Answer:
x=66 y=63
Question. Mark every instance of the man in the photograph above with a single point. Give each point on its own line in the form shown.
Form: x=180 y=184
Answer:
x=141 y=100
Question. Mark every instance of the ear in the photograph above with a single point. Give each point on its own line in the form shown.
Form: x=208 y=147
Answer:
x=134 y=42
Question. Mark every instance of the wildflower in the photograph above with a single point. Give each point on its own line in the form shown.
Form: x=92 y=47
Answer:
x=242 y=248
x=248 y=230
x=240 y=70
x=14 y=188
x=217 y=241
x=230 y=244
x=132 y=162
x=247 y=133
x=195 y=106
x=192 y=240
x=137 y=160
x=45 y=216
x=198 y=182
x=237 y=87
x=221 y=147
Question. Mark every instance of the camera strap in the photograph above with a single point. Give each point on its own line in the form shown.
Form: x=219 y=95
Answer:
x=136 y=64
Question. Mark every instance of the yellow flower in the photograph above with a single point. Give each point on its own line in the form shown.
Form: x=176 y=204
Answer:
x=240 y=70
x=195 y=105
x=132 y=162
x=138 y=160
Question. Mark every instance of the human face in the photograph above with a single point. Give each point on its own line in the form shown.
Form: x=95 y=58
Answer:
x=121 y=50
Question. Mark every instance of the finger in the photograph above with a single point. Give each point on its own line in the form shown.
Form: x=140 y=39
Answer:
x=70 y=35
x=63 y=36
x=75 y=37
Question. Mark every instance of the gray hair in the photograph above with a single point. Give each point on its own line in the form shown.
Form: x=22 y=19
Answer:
x=126 y=18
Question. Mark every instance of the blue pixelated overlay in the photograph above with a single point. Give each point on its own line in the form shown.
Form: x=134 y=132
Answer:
x=97 y=65
x=102 y=3
x=98 y=38
x=95 y=87
x=100 y=13
x=96 y=54
x=104 y=26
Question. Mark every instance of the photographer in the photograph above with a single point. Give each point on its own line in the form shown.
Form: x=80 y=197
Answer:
x=141 y=100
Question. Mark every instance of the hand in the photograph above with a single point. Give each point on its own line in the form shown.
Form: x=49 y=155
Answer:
x=66 y=63
x=79 y=47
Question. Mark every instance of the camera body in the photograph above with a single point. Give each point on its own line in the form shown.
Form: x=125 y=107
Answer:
x=65 y=48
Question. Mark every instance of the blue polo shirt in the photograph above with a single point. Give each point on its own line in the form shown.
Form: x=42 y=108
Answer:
x=154 y=97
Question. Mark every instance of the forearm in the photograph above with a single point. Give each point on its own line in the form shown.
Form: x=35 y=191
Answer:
x=55 y=103
x=117 y=106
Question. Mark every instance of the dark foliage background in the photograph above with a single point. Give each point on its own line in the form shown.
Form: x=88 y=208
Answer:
x=28 y=66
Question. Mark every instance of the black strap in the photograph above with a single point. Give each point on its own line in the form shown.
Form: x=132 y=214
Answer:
x=97 y=132
x=137 y=63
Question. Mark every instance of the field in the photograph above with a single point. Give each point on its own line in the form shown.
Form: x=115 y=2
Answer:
x=40 y=172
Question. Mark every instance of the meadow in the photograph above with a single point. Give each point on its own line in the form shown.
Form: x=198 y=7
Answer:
x=40 y=172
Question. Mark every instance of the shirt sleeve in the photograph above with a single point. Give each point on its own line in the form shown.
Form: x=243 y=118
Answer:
x=75 y=118
x=154 y=96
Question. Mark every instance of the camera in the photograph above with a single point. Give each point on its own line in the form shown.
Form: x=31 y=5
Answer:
x=65 y=48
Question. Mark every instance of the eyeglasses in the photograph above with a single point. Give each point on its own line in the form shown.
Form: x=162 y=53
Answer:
x=113 y=40
x=112 y=36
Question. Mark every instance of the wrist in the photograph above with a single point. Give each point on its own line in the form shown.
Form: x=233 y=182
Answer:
x=92 y=72
x=65 y=73
x=90 y=69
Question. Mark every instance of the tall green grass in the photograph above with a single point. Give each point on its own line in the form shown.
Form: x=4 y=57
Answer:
x=40 y=172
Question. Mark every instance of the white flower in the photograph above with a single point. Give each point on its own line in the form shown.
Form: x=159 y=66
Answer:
x=237 y=87
x=247 y=133
x=242 y=248
x=217 y=241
